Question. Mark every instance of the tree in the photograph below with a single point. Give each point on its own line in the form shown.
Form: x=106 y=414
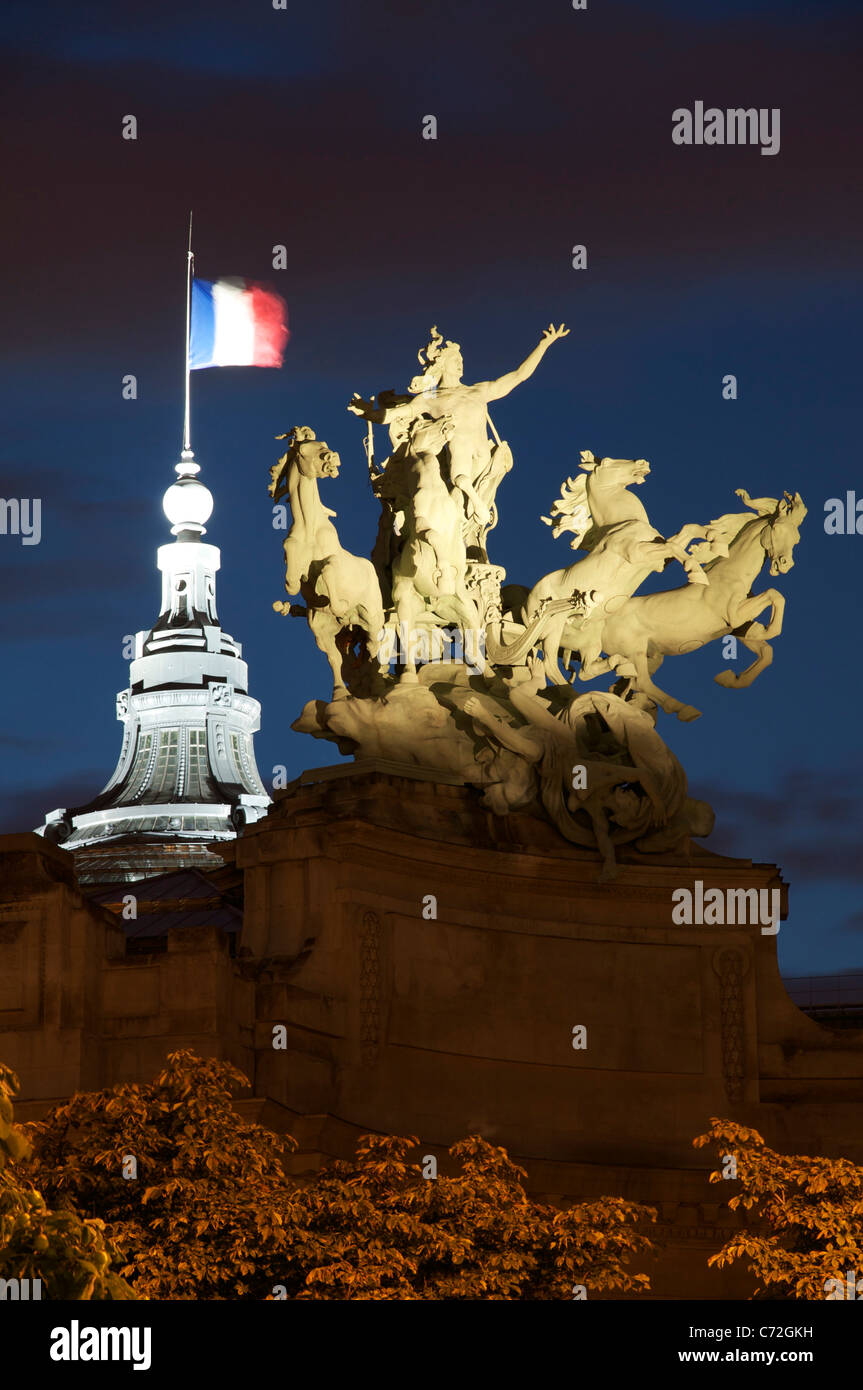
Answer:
x=214 y=1212
x=70 y=1256
x=196 y=1198
x=804 y=1224
x=375 y=1228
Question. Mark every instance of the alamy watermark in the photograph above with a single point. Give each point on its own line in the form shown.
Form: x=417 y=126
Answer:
x=20 y=1290
x=720 y=907
x=419 y=646
x=21 y=516
x=844 y=515
x=850 y=1287
x=77 y=1343
x=733 y=126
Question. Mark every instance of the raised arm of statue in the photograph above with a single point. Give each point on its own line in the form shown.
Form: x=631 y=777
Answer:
x=367 y=410
x=494 y=390
x=389 y=407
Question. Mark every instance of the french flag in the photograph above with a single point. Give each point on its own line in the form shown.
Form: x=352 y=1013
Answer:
x=236 y=323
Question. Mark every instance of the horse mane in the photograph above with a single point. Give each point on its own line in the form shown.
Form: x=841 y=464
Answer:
x=300 y=434
x=727 y=529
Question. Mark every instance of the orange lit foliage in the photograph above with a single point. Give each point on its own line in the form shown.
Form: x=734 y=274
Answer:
x=208 y=1207
x=214 y=1214
x=377 y=1229
x=71 y=1257
x=808 y=1213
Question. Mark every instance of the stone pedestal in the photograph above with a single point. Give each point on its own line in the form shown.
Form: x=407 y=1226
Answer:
x=430 y=962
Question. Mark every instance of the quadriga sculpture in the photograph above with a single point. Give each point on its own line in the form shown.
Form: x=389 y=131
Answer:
x=505 y=720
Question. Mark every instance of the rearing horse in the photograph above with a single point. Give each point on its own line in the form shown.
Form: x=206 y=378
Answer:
x=341 y=590
x=611 y=524
x=648 y=628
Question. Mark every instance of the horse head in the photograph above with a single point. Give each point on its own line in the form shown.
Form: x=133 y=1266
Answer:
x=783 y=532
x=430 y=436
x=306 y=455
x=599 y=499
x=315 y=459
x=615 y=473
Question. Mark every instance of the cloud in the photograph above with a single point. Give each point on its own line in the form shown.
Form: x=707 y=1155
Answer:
x=854 y=923
x=810 y=821
x=23 y=744
x=542 y=132
x=23 y=811
x=38 y=578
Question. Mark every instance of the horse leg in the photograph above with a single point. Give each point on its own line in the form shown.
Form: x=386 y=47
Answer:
x=408 y=604
x=550 y=644
x=689 y=562
x=566 y=663
x=749 y=608
x=296 y=562
x=587 y=641
x=370 y=617
x=594 y=664
x=324 y=626
x=467 y=614
x=654 y=661
x=756 y=636
x=690 y=532
x=625 y=686
x=717 y=545
x=753 y=639
x=643 y=682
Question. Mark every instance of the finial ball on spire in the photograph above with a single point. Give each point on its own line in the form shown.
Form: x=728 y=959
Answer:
x=187 y=503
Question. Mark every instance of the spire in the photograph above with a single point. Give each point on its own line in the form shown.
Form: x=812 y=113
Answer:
x=186 y=773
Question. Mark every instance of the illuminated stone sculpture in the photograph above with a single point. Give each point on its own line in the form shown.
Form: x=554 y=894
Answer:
x=341 y=590
x=435 y=666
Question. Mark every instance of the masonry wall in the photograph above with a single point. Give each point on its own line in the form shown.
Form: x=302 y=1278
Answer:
x=462 y=1021
x=447 y=1022
x=77 y=1013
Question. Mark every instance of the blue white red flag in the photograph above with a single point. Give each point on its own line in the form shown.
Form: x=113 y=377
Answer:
x=236 y=323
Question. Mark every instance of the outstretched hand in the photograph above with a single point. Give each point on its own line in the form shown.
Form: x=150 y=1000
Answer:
x=551 y=334
x=358 y=406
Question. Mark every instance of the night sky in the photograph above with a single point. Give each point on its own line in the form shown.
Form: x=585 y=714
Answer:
x=303 y=127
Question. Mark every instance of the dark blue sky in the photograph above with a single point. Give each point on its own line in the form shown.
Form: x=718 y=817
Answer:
x=302 y=127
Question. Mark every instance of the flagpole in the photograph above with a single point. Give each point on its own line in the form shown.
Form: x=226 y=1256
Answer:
x=187 y=444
